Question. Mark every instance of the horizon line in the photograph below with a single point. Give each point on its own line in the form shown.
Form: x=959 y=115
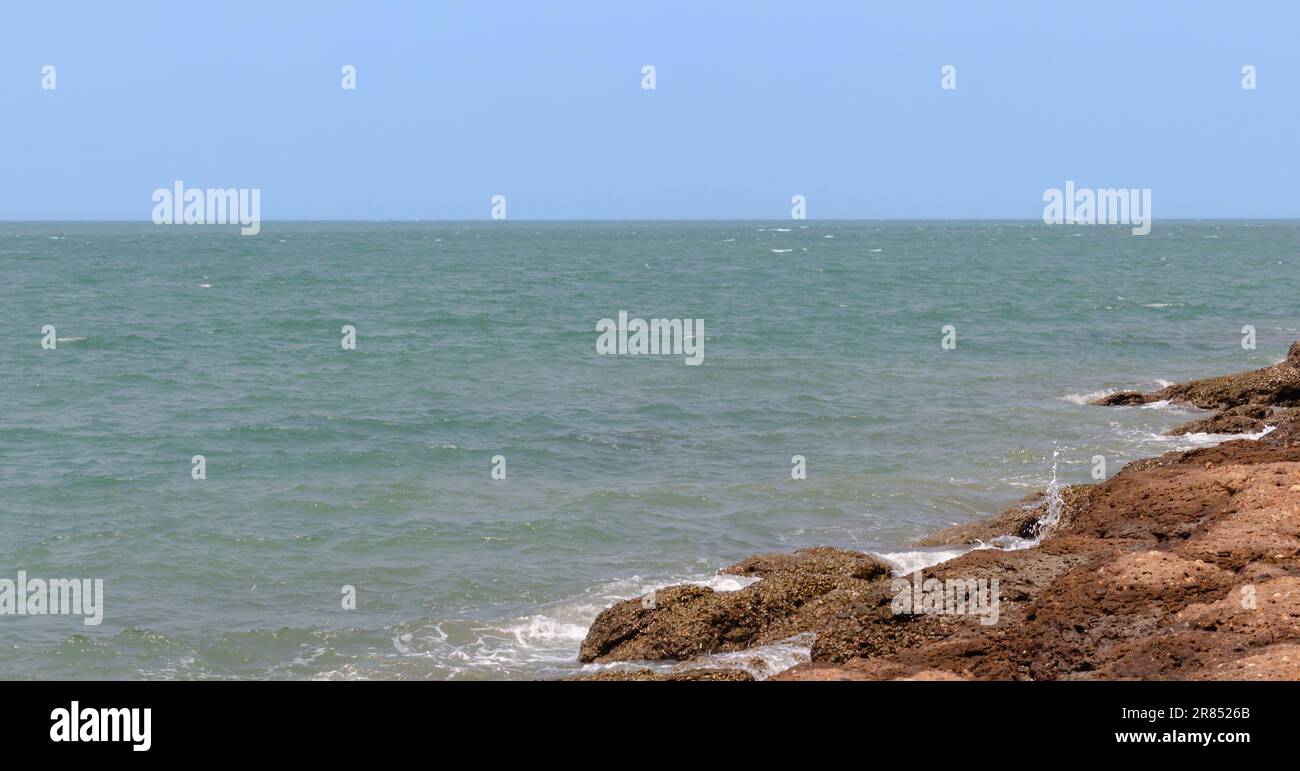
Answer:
x=663 y=219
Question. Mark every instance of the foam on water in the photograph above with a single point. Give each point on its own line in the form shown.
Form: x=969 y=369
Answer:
x=762 y=661
x=909 y=561
x=1145 y=441
x=545 y=641
x=1201 y=439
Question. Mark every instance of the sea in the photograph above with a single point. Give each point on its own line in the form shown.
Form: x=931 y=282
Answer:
x=457 y=496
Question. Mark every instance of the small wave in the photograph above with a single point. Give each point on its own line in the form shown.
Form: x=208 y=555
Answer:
x=540 y=628
x=1203 y=439
x=762 y=661
x=1087 y=398
x=781 y=251
x=1147 y=440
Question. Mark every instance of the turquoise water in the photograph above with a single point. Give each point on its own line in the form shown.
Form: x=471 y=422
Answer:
x=371 y=468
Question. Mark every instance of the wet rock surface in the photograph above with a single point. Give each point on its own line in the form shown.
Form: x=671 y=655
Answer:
x=1183 y=566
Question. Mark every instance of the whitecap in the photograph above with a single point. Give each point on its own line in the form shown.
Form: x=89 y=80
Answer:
x=1087 y=398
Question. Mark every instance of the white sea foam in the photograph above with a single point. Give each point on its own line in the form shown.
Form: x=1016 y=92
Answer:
x=908 y=562
x=1145 y=441
x=724 y=583
x=1087 y=398
x=540 y=628
x=548 y=640
x=1207 y=440
x=781 y=251
x=762 y=661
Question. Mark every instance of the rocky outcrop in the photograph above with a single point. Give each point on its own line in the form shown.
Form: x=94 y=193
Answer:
x=1184 y=566
x=1246 y=402
x=797 y=593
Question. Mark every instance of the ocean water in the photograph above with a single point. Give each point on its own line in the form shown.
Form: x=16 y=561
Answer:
x=371 y=468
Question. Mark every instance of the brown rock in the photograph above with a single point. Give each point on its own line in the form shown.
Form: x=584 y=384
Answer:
x=1125 y=399
x=1244 y=418
x=688 y=621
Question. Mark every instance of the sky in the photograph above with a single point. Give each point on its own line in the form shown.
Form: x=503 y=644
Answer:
x=755 y=102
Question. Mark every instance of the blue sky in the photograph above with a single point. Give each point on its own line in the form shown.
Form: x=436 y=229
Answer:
x=542 y=102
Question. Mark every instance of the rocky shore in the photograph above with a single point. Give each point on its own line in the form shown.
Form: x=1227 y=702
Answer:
x=1184 y=566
